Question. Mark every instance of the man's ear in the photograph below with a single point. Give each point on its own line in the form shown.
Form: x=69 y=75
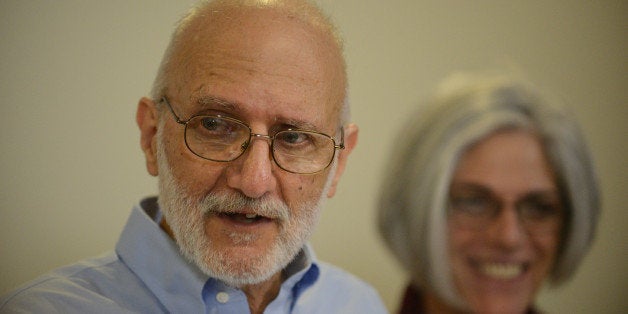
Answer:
x=351 y=139
x=147 y=119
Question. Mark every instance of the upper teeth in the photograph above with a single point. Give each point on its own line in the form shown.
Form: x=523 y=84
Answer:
x=502 y=271
x=250 y=216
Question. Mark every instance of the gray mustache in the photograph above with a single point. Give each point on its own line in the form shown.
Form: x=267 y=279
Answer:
x=237 y=203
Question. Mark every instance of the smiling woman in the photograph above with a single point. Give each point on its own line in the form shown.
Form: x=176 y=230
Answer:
x=502 y=245
x=498 y=183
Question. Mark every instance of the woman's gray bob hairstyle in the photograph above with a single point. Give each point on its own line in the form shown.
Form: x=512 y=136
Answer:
x=466 y=109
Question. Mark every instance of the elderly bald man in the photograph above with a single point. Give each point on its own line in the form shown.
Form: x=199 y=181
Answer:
x=247 y=128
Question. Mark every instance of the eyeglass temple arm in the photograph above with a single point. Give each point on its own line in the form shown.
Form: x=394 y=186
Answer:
x=176 y=117
x=342 y=139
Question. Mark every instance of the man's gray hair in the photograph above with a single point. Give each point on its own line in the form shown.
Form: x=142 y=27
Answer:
x=466 y=109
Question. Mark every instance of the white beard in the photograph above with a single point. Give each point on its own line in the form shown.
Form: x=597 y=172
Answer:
x=186 y=216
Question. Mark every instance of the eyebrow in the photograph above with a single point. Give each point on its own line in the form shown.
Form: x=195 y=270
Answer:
x=300 y=124
x=475 y=187
x=470 y=186
x=211 y=102
x=207 y=102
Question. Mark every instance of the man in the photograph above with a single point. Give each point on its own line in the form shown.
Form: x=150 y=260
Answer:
x=247 y=130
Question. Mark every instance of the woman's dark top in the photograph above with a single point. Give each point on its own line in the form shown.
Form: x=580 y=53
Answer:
x=414 y=303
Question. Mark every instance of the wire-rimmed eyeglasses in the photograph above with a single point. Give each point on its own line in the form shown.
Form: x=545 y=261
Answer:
x=224 y=139
x=474 y=207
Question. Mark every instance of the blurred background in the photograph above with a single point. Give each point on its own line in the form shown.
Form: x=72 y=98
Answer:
x=72 y=71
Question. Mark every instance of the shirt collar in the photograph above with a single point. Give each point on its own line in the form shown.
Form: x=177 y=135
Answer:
x=154 y=257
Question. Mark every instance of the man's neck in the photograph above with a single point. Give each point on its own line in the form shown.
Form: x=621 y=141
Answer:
x=260 y=295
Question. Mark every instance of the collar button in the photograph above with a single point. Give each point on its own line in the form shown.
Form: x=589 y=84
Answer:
x=222 y=297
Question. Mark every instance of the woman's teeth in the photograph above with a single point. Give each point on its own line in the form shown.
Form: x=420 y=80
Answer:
x=502 y=271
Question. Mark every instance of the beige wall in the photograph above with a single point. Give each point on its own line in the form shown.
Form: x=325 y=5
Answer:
x=71 y=73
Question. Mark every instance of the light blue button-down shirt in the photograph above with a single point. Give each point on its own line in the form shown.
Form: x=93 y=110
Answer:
x=147 y=274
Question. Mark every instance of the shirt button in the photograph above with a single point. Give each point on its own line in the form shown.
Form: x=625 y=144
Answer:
x=222 y=297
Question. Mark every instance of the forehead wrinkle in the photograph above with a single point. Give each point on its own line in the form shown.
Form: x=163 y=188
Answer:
x=308 y=63
x=228 y=66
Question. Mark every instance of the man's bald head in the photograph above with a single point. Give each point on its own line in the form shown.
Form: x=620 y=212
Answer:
x=215 y=23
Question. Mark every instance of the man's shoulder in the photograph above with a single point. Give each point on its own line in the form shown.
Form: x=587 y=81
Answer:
x=332 y=274
x=343 y=290
x=96 y=285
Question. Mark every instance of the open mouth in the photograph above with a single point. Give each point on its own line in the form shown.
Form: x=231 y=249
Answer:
x=244 y=218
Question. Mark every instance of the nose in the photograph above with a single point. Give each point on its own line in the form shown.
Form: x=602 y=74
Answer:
x=252 y=173
x=506 y=230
